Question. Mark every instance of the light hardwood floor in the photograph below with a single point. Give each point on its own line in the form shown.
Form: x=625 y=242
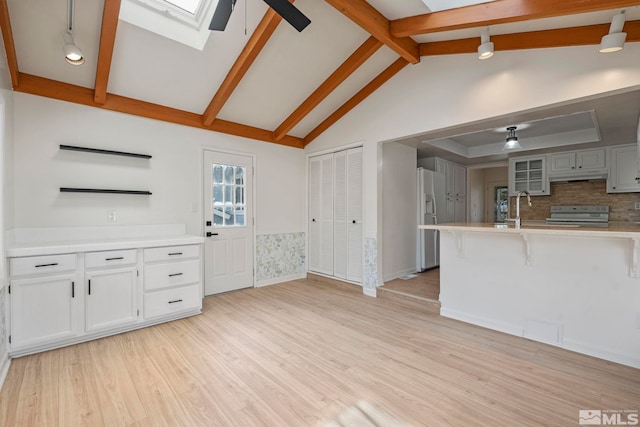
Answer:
x=303 y=353
x=425 y=285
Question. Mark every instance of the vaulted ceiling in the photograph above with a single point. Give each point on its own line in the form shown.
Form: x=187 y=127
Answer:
x=273 y=84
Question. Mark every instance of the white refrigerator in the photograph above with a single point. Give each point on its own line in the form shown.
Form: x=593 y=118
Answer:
x=431 y=208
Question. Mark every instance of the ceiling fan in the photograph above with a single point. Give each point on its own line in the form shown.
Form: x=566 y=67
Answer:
x=282 y=7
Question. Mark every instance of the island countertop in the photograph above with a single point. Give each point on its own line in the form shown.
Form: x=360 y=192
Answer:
x=615 y=229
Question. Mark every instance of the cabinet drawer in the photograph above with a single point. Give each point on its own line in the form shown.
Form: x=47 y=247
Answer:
x=110 y=258
x=172 y=300
x=171 y=253
x=159 y=276
x=47 y=264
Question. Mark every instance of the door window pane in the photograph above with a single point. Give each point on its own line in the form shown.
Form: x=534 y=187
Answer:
x=228 y=195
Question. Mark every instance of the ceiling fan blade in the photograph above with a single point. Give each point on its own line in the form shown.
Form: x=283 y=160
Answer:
x=289 y=13
x=221 y=15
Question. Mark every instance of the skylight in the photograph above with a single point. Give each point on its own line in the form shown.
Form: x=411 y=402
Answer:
x=438 y=5
x=190 y=6
x=185 y=21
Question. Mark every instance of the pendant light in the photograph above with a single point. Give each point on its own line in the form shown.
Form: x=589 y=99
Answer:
x=485 y=50
x=614 y=41
x=72 y=53
x=512 y=140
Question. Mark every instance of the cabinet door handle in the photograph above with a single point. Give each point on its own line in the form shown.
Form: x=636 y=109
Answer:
x=89 y=287
x=46 y=265
x=175 y=253
x=114 y=258
x=175 y=274
x=73 y=289
x=175 y=301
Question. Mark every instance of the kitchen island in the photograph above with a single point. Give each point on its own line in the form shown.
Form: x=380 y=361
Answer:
x=572 y=287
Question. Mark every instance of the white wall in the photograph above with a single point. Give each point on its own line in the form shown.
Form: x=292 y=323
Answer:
x=173 y=175
x=446 y=91
x=399 y=210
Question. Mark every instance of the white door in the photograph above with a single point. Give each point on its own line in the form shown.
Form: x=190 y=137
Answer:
x=354 y=215
x=321 y=214
x=228 y=216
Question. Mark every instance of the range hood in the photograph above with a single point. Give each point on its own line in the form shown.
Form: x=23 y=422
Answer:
x=578 y=176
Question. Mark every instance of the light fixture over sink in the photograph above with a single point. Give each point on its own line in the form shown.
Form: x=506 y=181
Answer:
x=512 y=140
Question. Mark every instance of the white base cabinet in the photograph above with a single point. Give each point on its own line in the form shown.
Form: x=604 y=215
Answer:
x=43 y=310
x=111 y=298
x=57 y=300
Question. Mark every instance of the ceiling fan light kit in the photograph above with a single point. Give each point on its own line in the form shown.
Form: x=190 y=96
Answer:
x=286 y=10
x=485 y=50
x=614 y=41
x=72 y=53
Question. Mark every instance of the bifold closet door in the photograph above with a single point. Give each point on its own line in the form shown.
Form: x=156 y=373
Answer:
x=355 y=232
x=321 y=214
x=340 y=227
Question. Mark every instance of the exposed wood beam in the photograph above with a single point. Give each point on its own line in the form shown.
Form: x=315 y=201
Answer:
x=66 y=92
x=110 y=14
x=372 y=21
x=254 y=46
x=575 y=36
x=498 y=12
x=9 y=46
x=389 y=72
x=357 y=58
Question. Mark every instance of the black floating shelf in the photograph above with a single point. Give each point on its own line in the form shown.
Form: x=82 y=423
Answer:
x=97 y=190
x=100 y=151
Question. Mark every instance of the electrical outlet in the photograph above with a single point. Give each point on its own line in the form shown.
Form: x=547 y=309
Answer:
x=638 y=206
x=112 y=216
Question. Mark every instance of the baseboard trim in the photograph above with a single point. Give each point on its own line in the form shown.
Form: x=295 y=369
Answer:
x=4 y=369
x=602 y=353
x=398 y=274
x=507 y=328
x=370 y=292
x=281 y=279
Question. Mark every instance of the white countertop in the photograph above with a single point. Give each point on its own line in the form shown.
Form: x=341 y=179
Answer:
x=92 y=245
x=615 y=229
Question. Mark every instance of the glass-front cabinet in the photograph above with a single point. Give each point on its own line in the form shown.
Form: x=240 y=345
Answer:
x=528 y=174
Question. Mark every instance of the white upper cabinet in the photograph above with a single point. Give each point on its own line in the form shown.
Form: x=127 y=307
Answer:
x=578 y=161
x=623 y=173
x=528 y=174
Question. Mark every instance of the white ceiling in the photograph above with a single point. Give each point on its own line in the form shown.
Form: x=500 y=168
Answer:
x=292 y=65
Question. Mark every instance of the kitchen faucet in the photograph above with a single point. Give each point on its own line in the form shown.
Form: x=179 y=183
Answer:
x=520 y=193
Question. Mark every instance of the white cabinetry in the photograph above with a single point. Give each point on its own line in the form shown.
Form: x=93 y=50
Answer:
x=528 y=174
x=57 y=300
x=455 y=188
x=111 y=299
x=336 y=214
x=623 y=173
x=44 y=293
x=172 y=280
x=583 y=160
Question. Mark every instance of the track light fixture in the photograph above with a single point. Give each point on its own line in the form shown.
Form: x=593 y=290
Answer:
x=614 y=41
x=72 y=53
x=512 y=139
x=485 y=50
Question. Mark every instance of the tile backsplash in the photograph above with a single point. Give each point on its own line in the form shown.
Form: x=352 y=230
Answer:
x=621 y=205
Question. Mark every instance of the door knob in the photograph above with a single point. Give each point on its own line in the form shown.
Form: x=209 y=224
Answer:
x=209 y=234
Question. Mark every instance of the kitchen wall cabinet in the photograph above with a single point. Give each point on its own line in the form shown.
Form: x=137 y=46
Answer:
x=336 y=214
x=623 y=171
x=528 y=174
x=57 y=300
x=582 y=160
